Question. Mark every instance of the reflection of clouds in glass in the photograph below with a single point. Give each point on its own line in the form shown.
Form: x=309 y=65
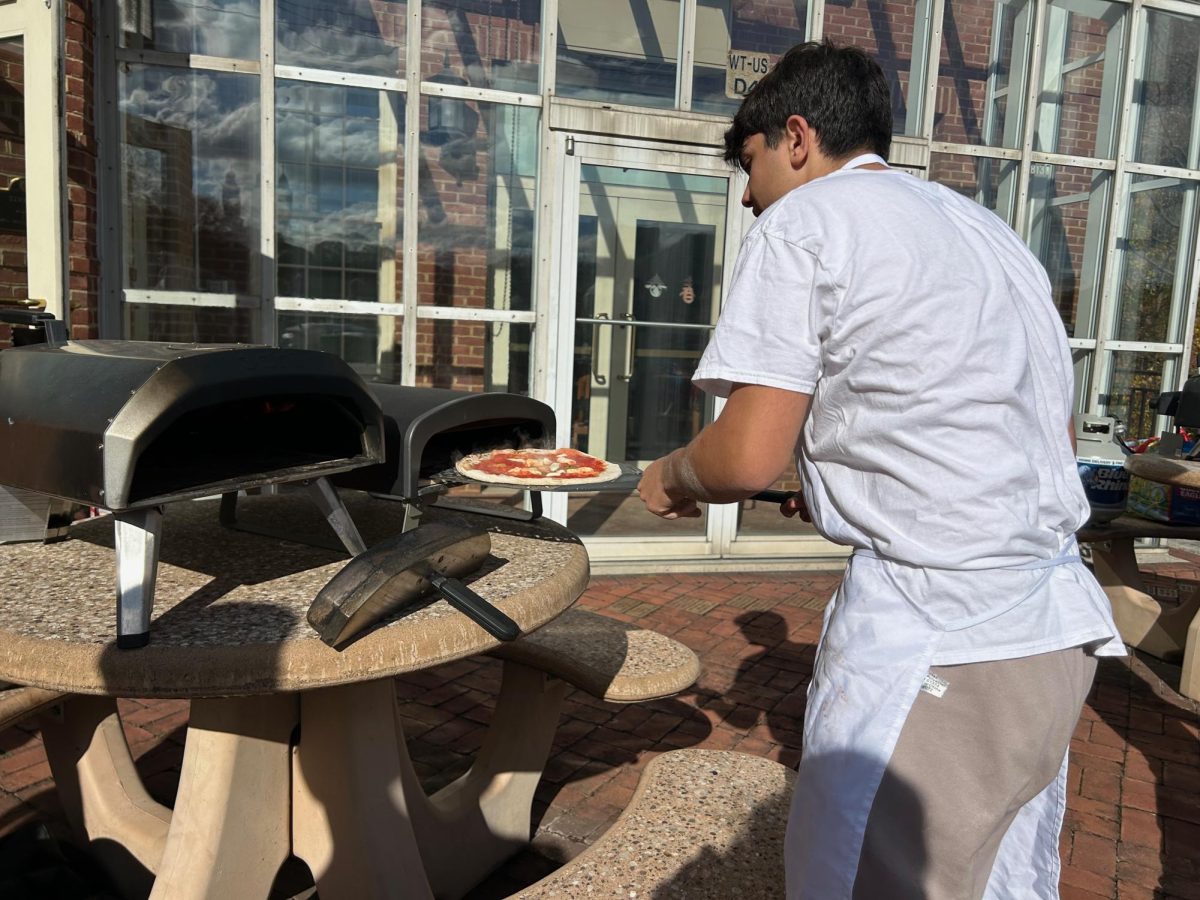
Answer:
x=217 y=113
x=333 y=141
x=213 y=27
x=356 y=226
x=345 y=36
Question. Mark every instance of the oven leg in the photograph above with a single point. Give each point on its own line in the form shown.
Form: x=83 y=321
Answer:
x=102 y=796
x=137 y=537
x=326 y=497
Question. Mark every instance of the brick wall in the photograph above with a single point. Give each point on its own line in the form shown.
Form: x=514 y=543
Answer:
x=962 y=76
x=79 y=104
x=885 y=30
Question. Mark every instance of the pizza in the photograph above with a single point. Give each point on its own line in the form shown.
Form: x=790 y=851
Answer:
x=540 y=468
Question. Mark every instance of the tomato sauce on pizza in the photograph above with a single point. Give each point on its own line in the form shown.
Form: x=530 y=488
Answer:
x=540 y=467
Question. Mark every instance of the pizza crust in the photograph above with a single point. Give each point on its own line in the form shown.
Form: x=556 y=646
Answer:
x=464 y=467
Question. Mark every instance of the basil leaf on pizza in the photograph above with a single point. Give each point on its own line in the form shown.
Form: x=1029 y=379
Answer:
x=537 y=468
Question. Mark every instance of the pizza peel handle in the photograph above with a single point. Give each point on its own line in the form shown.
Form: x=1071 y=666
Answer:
x=466 y=601
x=773 y=496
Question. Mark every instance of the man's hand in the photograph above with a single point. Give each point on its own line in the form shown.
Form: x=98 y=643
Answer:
x=795 y=505
x=735 y=457
x=658 y=499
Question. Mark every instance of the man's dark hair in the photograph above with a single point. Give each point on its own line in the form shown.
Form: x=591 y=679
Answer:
x=841 y=91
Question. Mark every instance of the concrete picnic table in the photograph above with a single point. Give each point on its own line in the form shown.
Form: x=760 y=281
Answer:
x=292 y=747
x=1170 y=633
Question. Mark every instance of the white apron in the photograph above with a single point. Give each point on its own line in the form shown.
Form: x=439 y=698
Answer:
x=877 y=645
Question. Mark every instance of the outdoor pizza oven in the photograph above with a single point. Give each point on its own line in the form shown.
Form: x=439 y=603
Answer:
x=130 y=426
x=427 y=430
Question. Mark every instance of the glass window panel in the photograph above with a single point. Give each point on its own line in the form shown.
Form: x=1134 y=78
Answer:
x=324 y=283
x=475 y=227
x=983 y=71
x=14 y=271
x=191 y=324
x=489 y=44
x=463 y=355
x=989 y=182
x=226 y=28
x=759 y=518
x=339 y=192
x=1165 y=92
x=731 y=38
x=1068 y=213
x=623 y=51
x=190 y=180
x=895 y=33
x=1134 y=381
x=1081 y=80
x=1153 y=273
x=370 y=344
x=361 y=36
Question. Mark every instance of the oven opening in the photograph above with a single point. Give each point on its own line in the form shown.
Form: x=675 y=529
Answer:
x=446 y=448
x=246 y=438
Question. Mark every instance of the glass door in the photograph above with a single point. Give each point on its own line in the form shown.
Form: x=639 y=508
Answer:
x=642 y=268
x=645 y=266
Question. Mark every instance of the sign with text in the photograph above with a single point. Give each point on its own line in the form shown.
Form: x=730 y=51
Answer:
x=745 y=69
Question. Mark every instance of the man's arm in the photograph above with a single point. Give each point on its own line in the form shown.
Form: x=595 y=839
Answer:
x=738 y=455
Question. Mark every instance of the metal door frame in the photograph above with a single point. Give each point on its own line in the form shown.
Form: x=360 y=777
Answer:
x=574 y=151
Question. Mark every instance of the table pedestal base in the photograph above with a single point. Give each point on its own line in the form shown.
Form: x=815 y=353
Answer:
x=353 y=778
x=229 y=832
x=1169 y=634
x=324 y=775
x=103 y=798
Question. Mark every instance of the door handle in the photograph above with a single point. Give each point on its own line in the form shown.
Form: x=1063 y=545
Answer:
x=627 y=375
x=596 y=376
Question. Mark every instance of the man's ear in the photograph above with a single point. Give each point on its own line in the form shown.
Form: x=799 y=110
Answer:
x=800 y=140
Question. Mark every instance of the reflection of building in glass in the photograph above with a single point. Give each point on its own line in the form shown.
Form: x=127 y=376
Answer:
x=161 y=225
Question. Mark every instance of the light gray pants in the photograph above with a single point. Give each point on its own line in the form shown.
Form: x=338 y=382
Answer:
x=964 y=764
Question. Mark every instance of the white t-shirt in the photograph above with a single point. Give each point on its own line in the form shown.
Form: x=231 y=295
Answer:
x=941 y=386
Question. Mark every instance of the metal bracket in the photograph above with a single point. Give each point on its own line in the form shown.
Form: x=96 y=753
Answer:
x=327 y=500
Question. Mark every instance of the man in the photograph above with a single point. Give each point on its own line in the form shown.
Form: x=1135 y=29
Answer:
x=901 y=341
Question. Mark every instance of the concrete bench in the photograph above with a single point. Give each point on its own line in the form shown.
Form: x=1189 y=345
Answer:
x=611 y=660
x=702 y=824
x=19 y=703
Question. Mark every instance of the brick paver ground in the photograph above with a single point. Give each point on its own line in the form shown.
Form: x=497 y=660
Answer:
x=1132 y=827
